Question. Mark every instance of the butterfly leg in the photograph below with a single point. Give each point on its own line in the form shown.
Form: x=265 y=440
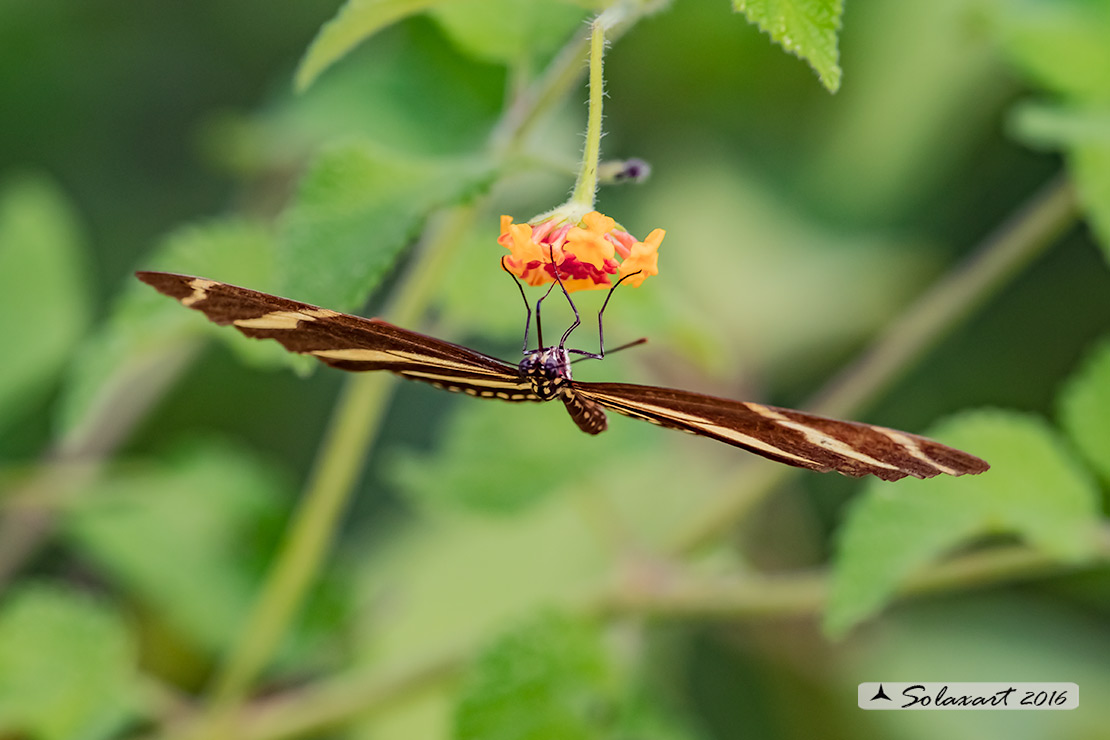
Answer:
x=566 y=294
x=527 y=308
x=601 y=325
x=539 y=326
x=601 y=313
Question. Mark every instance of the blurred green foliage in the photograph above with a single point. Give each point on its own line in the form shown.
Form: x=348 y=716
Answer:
x=66 y=664
x=38 y=236
x=888 y=534
x=474 y=588
x=545 y=680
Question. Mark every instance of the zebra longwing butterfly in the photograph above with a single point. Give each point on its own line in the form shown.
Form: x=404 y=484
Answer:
x=355 y=343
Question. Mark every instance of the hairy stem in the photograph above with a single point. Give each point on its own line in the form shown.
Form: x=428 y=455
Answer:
x=585 y=189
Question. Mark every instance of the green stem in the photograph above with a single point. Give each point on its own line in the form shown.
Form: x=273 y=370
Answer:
x=1006 y=251
x=349 y=435
x=333 y=702
x=1012 y=246
x=586 y=187
x=352 y=430
x=684 y=596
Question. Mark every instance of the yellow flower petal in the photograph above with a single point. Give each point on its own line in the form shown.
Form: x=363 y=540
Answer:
x=589 y=246
x=521 y=246
x=643 y=259
x=598 y=223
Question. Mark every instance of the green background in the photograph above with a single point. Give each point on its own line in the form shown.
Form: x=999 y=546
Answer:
x=507 y=575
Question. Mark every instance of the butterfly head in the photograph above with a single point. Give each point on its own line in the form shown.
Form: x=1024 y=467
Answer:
x=548 y=370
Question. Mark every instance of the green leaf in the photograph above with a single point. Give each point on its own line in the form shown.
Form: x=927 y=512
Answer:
x=1085 y=409
x=356 y=21
x=1053 y=126
x=647 y=716
x=508 y=31
x=1083 y=132
x=1058 y=44
x=393 y=92
x=148 y=337
x=1090 y=166
x=549 y=679
x=67 y=666
x=1063 y=46
x=1035 y=489
x=43 y=289
x=356 y=211
x=805 y=28
x=182 y=537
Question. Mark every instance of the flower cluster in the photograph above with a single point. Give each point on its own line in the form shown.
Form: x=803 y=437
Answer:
x=586 y=251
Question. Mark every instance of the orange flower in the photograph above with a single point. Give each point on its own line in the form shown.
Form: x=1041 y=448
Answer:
x=585 y=249
x=643 y=260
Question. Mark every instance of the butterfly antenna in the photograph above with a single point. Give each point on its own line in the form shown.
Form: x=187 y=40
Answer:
x=590 y=356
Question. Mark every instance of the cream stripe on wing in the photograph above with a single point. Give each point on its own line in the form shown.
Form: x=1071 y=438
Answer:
x=820 y=439
x=360 y=354
x=701 y=423
x=910 y=445
x=200 y=288
x=517 y=384
x=357 y=355
x=284 y=319
x=758 y=444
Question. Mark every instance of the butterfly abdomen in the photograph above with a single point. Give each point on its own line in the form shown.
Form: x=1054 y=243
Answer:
x=589 y=416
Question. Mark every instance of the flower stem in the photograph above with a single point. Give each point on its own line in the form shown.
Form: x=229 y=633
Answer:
x=586 y=187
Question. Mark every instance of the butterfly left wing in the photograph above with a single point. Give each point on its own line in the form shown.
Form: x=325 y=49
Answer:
x=345 y=341
x=787 y=436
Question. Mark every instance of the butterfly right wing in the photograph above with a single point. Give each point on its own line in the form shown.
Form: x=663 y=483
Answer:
x=345 y=341
x=787 y=436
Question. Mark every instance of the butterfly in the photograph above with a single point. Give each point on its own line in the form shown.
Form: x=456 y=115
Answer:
x=359 y=344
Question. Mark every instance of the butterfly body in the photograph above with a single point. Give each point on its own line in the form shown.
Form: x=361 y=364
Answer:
x=358 y=344
x=548 y=370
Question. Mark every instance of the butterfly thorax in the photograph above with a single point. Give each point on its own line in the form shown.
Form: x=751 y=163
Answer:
x=548 y=370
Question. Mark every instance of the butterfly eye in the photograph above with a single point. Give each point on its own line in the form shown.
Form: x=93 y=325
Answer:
x=530 y=362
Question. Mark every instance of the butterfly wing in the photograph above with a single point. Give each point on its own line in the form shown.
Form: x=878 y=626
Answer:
x=787 y=436
x=345 y=341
